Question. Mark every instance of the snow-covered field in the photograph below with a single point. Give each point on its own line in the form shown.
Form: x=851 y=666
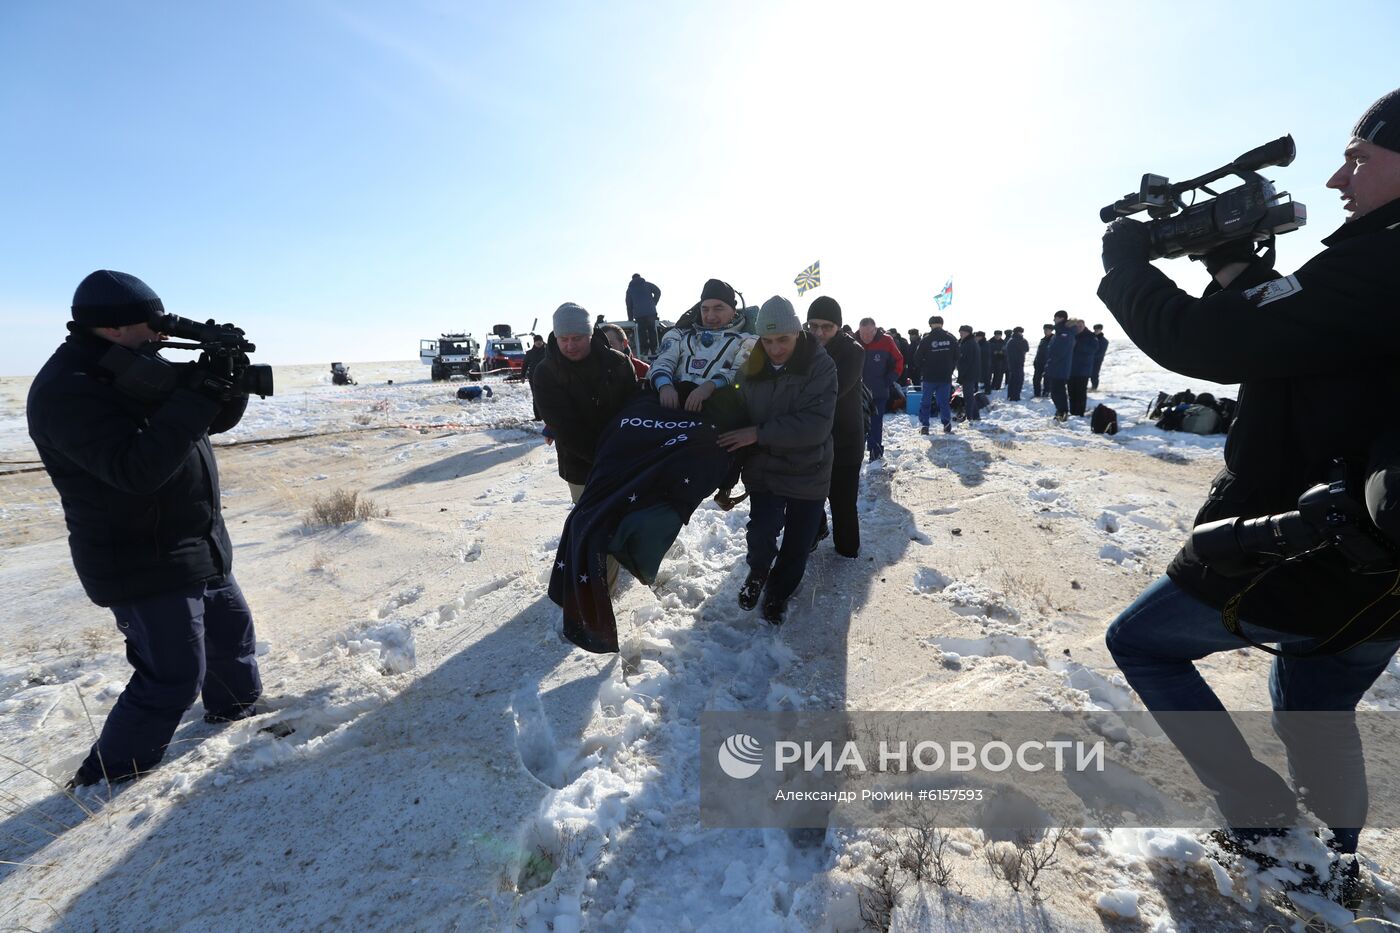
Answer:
x=457 y=765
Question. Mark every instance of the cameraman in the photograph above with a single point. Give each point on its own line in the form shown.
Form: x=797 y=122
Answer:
x=140 y=494
x=1261 y=330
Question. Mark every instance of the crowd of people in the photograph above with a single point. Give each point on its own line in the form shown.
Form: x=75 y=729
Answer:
x=791 y=408
x=812 y=397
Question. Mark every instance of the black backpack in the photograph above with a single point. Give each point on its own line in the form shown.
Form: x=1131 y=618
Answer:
x=1104 y=420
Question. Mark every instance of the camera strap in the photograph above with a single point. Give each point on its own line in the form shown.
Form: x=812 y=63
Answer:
x=1230 y=616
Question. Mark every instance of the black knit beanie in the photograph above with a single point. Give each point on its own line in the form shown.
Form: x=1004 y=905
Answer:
x=825 y=309
x=722 y=291
x=1381 y=124
x=114 y=299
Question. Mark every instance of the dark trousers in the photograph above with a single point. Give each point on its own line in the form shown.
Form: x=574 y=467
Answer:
x=196 y=641
x=646 y=337
x=1015 y=380
x=798 y=521
x=970 y=409
x=1059 y=391
x=1038 y=380
x=1078 y=394
x=998 y=372
x=1094 y=380
x=874 y=438
x=845 y=520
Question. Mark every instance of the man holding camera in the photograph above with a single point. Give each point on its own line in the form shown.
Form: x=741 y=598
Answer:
x=1259 y=329
x=140 y=493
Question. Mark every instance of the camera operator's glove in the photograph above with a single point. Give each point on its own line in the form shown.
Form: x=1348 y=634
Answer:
x=1227 y=254
x=1126 y=241
x=208 y=383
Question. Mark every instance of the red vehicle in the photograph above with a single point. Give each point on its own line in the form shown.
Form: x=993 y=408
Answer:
x=503 y=354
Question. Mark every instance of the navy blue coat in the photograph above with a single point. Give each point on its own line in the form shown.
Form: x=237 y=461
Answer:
x=642 y=297
x=1016 y=350
x=969 y=361
x=1041 y=352
x=1100 y=353
x=138 y=482
x=1060 y=356
x=1086 y=347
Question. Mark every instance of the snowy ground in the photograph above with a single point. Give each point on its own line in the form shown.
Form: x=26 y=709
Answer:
x=457 y=765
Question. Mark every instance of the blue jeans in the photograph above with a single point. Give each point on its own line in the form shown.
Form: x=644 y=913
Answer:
x=1156 y=642
x=874 y=439
x=943 y=392
x=798 y=521
x=185 y=643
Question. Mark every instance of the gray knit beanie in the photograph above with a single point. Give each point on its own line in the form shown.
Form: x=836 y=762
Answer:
x=572 y=321
x=777 y=317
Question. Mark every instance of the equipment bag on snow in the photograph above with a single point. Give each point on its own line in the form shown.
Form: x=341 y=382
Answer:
x=1200 y=419
x=1104 y=420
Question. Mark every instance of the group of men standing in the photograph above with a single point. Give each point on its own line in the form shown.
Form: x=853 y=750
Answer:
x=1067 y=364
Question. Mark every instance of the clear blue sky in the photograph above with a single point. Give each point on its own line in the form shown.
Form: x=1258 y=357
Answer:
x=344 y=178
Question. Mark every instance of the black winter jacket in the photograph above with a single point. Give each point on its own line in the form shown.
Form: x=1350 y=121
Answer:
x=1262 y=332
x=969 y=361
x=848 y=431
x=1016 y=350
x=137 y=480
x=936 y=357
x=1042 y=352
x=577 y=400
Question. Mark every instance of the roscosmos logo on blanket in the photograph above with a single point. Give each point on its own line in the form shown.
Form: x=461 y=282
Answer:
x=660 y=425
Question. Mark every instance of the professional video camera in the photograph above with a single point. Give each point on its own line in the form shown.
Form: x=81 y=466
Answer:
x=1252 y=210
x=223 y=360
x=1327 y=516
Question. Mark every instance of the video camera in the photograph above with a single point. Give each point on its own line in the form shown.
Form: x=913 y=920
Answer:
x=1327 y=516
x=223 y=360
x=1252 y=210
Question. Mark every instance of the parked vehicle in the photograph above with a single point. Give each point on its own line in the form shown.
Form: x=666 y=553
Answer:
x=452 y=355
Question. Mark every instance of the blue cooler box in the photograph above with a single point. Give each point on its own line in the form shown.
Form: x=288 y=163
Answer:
x=912 y=398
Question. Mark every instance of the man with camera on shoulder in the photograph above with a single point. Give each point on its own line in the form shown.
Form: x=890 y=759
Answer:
x=1278 y=572
x=124 y=436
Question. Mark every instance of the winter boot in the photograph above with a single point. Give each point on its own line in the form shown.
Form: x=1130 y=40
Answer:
x=774 y=612
x=923 y=430
x=751 y=590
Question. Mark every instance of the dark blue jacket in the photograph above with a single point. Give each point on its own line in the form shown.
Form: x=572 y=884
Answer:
x=138 y=482
x=642 y=297
x=969 y=361
x=655 y=463
x=1041 y=352
x=1086 y=346
x=936 y=357
x=1016 y=350
x=1100 y=353
x=1060 y=357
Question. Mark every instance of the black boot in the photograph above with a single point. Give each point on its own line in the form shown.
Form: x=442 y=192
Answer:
x=774 y=612
x=751 y=590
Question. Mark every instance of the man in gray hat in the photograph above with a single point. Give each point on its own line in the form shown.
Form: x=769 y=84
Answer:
x=579 y=387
